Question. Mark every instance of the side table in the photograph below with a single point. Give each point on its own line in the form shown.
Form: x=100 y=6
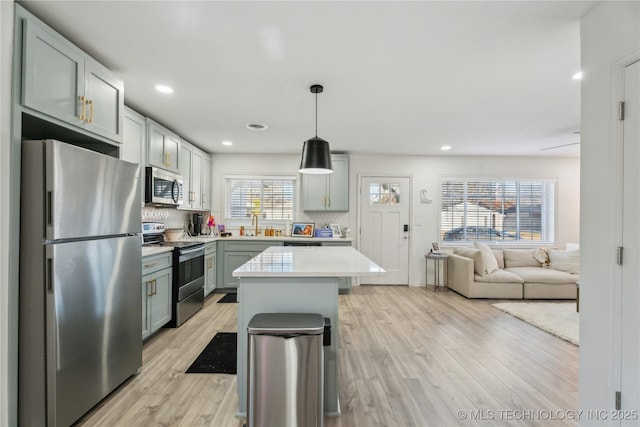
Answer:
x=440 y=260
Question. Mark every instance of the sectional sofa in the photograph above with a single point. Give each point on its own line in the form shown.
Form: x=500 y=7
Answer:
x=481 y=272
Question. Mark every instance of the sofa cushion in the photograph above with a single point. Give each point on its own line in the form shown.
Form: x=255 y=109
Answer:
x=475 y=254
x=490 y=262
x=519 y=258
x=567 y=261
x=542 y=275
x=499 y=257
x=498 y=276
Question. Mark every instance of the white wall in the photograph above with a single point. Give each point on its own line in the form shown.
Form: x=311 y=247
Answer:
x=426 y=172
x=8 y=400
x=610 y=36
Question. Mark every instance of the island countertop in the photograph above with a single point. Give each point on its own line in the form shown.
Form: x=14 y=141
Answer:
x=312 y=261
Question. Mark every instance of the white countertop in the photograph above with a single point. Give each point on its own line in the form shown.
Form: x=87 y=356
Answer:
x=309 y=261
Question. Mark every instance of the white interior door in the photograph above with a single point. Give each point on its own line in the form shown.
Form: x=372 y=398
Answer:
x=630 y=351
x=384 y=213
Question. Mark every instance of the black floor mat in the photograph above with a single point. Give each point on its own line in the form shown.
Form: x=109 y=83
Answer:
x=218 y=357
x=228 y=298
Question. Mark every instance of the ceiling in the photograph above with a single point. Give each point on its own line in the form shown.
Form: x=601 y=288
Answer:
x=486 y=78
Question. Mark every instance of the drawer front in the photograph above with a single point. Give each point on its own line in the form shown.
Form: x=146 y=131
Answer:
x=249 y=246
x=154 y=263
x=210 y=248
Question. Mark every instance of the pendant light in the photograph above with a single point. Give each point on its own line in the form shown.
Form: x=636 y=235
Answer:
x=316 y=155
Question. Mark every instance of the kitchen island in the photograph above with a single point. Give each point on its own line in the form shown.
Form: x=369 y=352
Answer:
x=294 y=279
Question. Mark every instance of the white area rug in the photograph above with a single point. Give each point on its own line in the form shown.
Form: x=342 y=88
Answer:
x=559 y=319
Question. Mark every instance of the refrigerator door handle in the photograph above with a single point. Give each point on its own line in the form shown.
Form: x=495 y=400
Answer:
x=49 y=273
x=49 y=208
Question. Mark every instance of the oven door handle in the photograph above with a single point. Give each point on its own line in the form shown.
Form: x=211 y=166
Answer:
x=190 y=251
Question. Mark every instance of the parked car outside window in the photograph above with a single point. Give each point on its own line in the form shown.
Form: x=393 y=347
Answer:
x=477 y=233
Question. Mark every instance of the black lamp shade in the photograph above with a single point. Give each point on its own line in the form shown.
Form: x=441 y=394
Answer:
x=316 y=157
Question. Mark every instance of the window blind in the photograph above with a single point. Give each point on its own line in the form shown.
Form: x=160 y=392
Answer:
x=497 y=210
x=269 y=197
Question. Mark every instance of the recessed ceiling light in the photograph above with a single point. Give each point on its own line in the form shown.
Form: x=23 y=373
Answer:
x=445 y=148
x=256 y=126
x=227 y=143
x=164 y=89
x=577 y=76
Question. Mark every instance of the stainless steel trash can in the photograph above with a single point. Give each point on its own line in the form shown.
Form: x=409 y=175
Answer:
x=286 y=370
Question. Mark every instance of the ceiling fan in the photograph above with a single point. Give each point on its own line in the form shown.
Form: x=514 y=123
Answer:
x=560 y=146
x=577 y=132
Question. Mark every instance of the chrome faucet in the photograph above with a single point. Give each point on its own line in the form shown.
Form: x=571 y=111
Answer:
x=255 y=218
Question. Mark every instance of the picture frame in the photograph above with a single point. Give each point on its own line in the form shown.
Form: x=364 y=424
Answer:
x=435 y=246
x=303 y=229
x=335 y=228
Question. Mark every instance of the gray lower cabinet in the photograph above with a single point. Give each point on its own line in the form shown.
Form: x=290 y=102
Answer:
x=232 y=255
x=209 y=268
x=156 y=292
x=344 y=283
x=63 y=82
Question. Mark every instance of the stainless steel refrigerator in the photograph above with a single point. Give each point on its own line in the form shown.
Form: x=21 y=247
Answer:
x=80 y=278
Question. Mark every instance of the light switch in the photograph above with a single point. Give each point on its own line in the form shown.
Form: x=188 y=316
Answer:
x=418 y=221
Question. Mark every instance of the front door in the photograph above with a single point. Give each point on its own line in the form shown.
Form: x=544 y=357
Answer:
x=384 y=217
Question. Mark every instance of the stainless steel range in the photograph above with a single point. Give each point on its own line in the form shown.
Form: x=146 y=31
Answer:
x=188 y=273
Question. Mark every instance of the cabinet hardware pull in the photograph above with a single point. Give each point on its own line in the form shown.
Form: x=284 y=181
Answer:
x=150 y=264
x=90 y=120
x=155 y=289
x=81 y=116
x=150 y=288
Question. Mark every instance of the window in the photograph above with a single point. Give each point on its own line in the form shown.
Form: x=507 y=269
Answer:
x=384 y=193
x=269 y=197
x=496 y=210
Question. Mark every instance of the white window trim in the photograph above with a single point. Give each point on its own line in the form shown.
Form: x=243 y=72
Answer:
x=515 y=243
x=244 y=221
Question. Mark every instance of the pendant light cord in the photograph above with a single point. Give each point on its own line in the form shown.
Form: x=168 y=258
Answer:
x=316 y=114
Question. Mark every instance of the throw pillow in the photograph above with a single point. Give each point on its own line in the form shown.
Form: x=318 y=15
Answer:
x=567 y=261
x=542 y=256
x=519 y=258
x=490 y=261
x=474 y=254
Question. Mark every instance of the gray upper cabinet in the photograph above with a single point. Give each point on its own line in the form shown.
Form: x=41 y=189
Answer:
x=63 y=82
x=133 y=143
x=196 y=179
x=195 y=168
x=163 y=147
x=206 y=183
x=105 y=101
x=328 y=192
x=185 y=170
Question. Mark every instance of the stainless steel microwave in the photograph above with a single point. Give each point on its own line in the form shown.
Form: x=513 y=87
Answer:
x=162 y=188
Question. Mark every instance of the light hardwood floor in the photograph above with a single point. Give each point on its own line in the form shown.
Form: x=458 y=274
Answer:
x=408 y=357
